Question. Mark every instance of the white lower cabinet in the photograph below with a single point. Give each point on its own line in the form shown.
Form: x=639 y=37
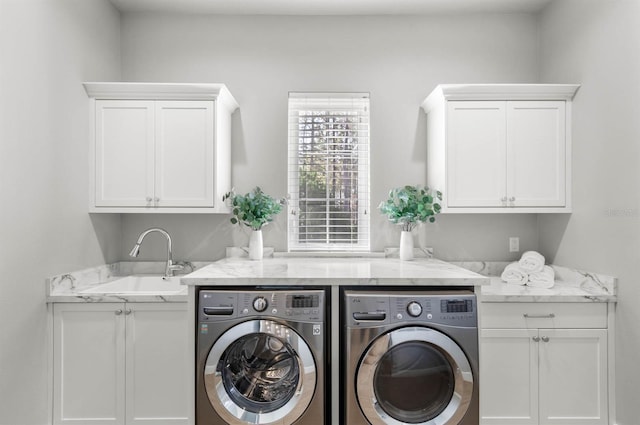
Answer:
x=120 y=363
x=536 y=370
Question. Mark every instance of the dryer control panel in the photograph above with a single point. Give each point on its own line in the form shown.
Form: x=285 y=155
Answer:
x=299 y=305
x=371 y=309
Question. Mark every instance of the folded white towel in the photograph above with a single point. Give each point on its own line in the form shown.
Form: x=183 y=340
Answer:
x=542 y=279
x=531 y=261
x=514 y=274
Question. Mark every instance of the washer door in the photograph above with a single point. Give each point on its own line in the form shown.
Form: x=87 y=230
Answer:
x=414 y=375
x=260 y=372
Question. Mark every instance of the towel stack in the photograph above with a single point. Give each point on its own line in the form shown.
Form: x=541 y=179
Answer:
x=529 y=270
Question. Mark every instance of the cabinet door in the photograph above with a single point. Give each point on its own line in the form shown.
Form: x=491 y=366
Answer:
x=157 y=358
x=124 y=153
x=536 y=153
x=184 y=153
x=573 y=377
x=476 y=154
x=88 y=371
x=508 y=377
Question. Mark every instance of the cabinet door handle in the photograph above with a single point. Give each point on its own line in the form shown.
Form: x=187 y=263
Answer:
x=539 y=316
x=512 y=199
x=127 y=311
x=149 y=199
x=536 y=338
x=118 y=312
x=545 y=339
x=503 y=199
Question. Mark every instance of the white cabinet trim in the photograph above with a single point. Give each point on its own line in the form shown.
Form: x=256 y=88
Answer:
x=163 y=91
x=500 y=92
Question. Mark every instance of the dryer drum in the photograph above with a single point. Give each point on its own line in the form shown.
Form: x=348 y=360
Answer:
x=414 y=375
x=423 y=369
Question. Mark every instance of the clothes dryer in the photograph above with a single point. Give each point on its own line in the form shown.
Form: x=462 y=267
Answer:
x=260 y=357
x=411 y=357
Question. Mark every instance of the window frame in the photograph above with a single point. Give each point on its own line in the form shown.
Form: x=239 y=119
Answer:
x=330 y=102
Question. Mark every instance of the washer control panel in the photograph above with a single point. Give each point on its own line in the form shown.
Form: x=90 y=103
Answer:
x=370 y=309
x=301 y=305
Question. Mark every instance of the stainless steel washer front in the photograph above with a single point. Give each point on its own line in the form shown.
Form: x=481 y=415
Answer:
x=260 y=357
x=411 y=358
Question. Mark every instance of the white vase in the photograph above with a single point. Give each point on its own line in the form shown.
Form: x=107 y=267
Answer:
x=255 y=245
x=406 y=246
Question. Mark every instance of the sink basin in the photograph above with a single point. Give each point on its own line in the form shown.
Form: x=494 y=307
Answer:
x=140 y=285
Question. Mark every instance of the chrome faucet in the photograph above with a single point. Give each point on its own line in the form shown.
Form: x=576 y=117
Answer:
x=170 y=267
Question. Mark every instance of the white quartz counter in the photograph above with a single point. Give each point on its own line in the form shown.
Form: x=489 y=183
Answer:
x=562 y=291
x=82 y=286
x=571 y=285
x=333 y=271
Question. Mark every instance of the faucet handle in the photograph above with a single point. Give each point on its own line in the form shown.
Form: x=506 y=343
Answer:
x=172 y=267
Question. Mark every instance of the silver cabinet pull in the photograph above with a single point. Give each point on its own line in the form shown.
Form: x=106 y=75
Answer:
x=118 y=312
x=536 y=338
x=503 y=199
x=539 y=316
x=512 y=199
x=545 y=339
x=127 y=311
x=149 y=199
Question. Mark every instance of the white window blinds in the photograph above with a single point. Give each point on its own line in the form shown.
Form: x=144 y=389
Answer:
x=328 y=172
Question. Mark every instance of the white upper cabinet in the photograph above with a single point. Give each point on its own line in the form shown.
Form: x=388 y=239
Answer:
x=160 y=148
x=500 y=147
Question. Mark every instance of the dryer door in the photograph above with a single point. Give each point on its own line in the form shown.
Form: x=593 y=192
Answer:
x=414 y=375
x=260 y=372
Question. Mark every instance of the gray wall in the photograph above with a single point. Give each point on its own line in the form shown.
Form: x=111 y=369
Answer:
x=399 y=60
x=48 y=48
x=597 y=43
x=51 y=46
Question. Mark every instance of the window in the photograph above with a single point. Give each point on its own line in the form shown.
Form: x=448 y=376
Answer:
x=328 y=172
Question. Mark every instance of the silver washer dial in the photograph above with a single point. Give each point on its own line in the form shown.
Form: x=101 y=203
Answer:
x=414 y=309
x=260 y=304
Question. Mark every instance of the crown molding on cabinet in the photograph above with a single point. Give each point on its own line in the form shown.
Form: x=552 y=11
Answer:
x=500 y=92
x=163 y=91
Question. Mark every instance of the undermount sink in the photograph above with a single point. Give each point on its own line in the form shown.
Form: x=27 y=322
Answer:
x=140 y=285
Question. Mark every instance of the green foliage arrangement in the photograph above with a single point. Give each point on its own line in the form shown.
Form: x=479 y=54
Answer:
x=254 y=209
x=411 y=205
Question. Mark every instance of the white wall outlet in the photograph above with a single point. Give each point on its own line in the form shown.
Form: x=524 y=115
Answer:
x=514 y=244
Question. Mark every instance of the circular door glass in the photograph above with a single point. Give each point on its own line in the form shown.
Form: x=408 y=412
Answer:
x=260 y=372
x=414 y=375
x=413 y=382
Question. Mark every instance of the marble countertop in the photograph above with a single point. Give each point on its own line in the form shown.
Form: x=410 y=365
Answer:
x=562 y=291
x=571 y=285
x=70 y=287
x=333 y=271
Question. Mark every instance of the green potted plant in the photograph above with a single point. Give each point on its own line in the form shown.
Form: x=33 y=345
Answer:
x=408 y=206
x=254 y=210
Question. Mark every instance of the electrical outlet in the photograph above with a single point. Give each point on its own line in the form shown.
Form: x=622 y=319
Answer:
x=514 y=244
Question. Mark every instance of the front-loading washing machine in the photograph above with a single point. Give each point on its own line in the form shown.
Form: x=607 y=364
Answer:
x=261 y=356
x=410 y=357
